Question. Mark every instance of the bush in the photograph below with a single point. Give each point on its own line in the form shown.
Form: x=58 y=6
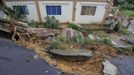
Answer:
x=62 y=38
x=54 y=44
x=76 y=39
x=76 y=27
x=107 y=41
x=127 y=7
x=34 y=24
x=124 y=31
x=51 y=22
x=81 y=41
x=85 y=41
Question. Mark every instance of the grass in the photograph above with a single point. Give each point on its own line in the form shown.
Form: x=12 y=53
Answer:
x=101 y=34
x=124 y=31
x=128 y=13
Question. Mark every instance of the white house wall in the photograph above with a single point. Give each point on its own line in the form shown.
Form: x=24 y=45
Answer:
x=88 y=19
x=66 y=10
x=31 y=8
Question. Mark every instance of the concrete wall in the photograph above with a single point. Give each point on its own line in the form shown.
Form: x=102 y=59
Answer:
x=31 y=8
x=66 y=10
x=88 y=19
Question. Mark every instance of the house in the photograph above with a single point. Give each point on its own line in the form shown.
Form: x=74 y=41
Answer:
x=78 y=11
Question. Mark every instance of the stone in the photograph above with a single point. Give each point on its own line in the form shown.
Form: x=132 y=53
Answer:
x=109 y=68
x=91 y=37
x=72 y=52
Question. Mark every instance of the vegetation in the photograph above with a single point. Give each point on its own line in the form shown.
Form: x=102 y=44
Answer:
x=13 y=14
x=81 y=41
x=101 y=34
x=86 y=41
x=76 y=39
x=119 y=2
x=54 y=44
x=51 y=22
x=126 y=7
x=128 y=13
x=33 y=24
x=124 y=31
x=117 y=27
x=107 y=41
x=62 y=38
x=76 y=27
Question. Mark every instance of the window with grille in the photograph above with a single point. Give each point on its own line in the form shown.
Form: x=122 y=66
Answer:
x=22 y=9
x=53 y=10
x=88 y=10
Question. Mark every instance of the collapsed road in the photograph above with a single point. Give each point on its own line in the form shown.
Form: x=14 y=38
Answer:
x=15 y=60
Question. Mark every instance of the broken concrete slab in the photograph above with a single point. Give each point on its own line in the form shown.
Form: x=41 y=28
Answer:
x=91 y=37
x=123 y=42
x=69 y=33
x=109 y=68
x=72 y=52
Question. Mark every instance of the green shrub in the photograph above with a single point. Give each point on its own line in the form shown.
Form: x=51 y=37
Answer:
x=76 y=27
x=62 y=38
x=76 y=39
x=51 y=22
x=85 y=41
x=126 y=7
x=54 y=44
x=34 y=24
x=107 y=41
x=80 y=40
x=124 y=31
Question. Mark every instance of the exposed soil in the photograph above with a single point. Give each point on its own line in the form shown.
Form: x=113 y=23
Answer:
x=92 y=66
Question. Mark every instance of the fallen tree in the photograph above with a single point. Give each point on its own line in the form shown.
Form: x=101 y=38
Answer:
x=23 y=30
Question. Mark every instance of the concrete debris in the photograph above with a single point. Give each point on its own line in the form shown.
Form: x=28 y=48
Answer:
x=91 y=37
x=72 y=52
x=109 y=68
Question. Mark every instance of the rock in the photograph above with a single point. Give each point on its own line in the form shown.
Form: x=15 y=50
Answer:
x=35 y=56
x=91 y=37
x=109 y=68
x=69 y=33
x=72 y=52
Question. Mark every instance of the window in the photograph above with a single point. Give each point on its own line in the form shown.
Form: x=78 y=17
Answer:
x=22 y=9
x=53 y=10
x=88 y=10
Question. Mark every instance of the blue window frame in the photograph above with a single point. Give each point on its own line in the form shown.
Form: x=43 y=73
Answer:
x=53 y=10
x=22 y=9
